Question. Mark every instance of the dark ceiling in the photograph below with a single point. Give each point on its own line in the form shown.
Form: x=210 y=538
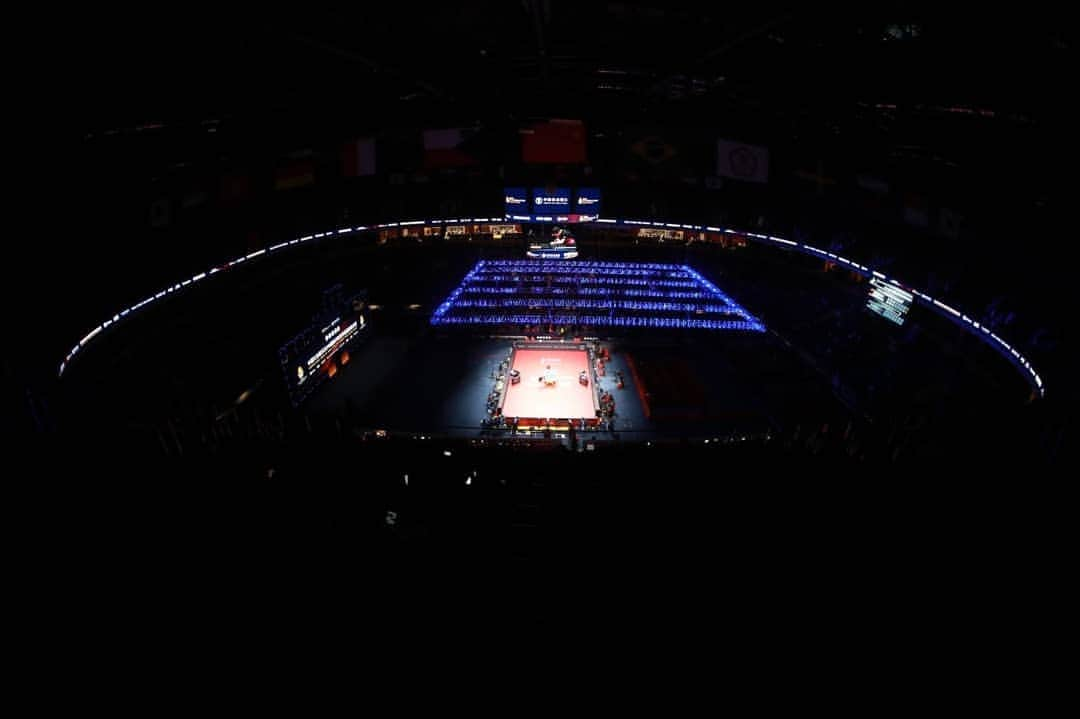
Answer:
x=563 y=57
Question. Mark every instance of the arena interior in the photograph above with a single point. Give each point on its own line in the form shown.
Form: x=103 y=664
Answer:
x=524 y=282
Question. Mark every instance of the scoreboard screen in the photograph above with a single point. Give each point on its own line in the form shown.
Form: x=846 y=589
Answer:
x=889 y=301
x=318 y=352
x=555 y=201
x=516 y=201
x=588 y=201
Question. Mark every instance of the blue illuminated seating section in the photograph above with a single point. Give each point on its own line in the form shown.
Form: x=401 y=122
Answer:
x=597 y=294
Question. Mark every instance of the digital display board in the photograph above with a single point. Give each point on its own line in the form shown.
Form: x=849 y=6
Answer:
x=889 y=301
x=516 y=201
x=315 y=354
x=553 y=201
x=588 y=201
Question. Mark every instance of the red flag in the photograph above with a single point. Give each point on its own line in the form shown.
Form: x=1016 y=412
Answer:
x=556 y=141
x=443 y=148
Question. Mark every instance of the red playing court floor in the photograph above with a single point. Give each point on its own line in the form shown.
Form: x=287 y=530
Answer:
x=567 y=398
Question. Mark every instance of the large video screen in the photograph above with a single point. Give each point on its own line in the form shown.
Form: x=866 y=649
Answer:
x=555 y=201
x=517 y=201
x=321 y=350
x=588 y=201
x=889 y=301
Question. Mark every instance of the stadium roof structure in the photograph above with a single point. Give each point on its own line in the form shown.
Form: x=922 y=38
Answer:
x=585 y=54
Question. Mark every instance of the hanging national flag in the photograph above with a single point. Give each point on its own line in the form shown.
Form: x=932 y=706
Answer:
x=949 y=222
x=358 y=158
x=873 y=184
x=916 y=211
x=554 y=142
x=234 y=187
x=195 y=198
x=818 y=177
x=742 y=162
x=653 y=150
x=160 y=212
x=448 y=148
x=663 y=155
x=295 y=174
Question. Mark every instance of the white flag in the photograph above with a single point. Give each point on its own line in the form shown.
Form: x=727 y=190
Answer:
x=742 y=162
